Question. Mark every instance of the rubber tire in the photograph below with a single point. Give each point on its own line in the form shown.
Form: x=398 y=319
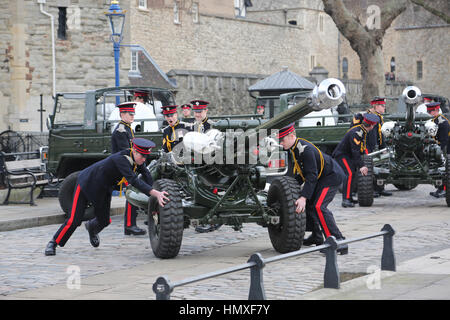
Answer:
x=287 y=236
x=404 y=187
x=65 y=197
x=365 y=183
x=447 y=180
x=166 y=236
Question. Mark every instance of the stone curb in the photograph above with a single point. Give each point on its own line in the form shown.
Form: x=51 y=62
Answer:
x=31 y=222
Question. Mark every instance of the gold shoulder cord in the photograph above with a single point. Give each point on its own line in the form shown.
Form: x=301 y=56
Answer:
x=322 y=160
x=174 y=134
x=124 y=181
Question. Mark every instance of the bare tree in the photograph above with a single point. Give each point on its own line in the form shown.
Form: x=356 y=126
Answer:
x=366 y=40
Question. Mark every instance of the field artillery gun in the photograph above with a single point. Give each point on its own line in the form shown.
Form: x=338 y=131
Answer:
x=412 y=156
x=228 y=185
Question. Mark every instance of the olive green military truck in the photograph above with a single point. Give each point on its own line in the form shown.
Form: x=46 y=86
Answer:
x=80 y=129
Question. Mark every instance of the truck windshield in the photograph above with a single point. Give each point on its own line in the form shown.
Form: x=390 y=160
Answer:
x=70 y=109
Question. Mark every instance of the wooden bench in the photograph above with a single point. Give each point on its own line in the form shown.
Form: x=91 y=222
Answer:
x=21 y=174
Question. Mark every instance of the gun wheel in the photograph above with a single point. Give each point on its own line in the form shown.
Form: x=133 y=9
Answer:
x=166 y=224
x=65 y=197
x=365 y=184
x=288 y=235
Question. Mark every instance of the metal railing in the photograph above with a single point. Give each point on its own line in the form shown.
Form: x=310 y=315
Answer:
x=162 y=287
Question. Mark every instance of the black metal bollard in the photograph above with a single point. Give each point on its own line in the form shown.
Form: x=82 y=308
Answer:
x=162 y=288
x=256 y=291
x=331 y=278
x=388 y=257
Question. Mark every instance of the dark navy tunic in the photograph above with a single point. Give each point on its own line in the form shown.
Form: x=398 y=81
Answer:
x=309 y=165
x=98 y=180
x=353 y=145
x=442 y=136
x=121 y=137
x=174 y=135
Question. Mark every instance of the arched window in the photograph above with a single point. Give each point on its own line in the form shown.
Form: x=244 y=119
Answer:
x=392 y=64
x=345 y=68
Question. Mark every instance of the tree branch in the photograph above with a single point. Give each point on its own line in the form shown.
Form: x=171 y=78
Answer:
x=437 y=13
x=347 y=24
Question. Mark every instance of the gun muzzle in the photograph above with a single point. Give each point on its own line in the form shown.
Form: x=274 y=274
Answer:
x=411 y=95
x=329 y=93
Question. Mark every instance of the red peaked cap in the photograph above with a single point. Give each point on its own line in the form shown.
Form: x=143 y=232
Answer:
x=169 y=109
x=143 y=146
x=285 y=131
x=199 y=105
x=127 y=107
x=433 y=106
x=371 y=119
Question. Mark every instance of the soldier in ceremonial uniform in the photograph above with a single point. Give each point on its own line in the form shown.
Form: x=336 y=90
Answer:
x=442 y=137
x=375 y=139
x=348 y=154
x=186 y=109
x=121 y=139
x=95 y=184
x=123 y=133
x=322 y=177
x=202 y=123
x=175 y=131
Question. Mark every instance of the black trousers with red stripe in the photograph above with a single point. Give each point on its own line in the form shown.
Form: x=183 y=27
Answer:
x=318 y=213
x=130 y=215
x=80 y=201
x=350 y=171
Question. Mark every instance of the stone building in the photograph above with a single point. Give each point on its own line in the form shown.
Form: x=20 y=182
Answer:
x=209 y=49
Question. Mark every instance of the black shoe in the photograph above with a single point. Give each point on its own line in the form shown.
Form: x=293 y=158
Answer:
x=376 y=194
x=385 y=193
x=207 y=228
x=353 y=200
x=50 y=250
x=346 y=203
x=134 y=230
x=313 y=239
x=438 y=193
x=93 y=237
x=342 y=249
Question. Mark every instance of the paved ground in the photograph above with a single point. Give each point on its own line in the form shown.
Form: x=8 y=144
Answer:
x=124 y=267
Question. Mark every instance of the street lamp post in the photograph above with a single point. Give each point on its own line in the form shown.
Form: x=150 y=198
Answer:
x=116 y=18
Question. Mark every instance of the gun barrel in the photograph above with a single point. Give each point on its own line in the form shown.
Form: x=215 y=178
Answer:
x=411 y=95
x=329 y=93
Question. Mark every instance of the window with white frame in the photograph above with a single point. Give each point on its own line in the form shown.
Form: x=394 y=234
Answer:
x=313 y=62
x=240 y=8
x=194 y=11
x=142 y=4
x=321 y=18
x=134 y=61
x=176 y=13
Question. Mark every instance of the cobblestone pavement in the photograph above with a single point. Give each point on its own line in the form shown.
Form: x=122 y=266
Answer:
x=421 y=223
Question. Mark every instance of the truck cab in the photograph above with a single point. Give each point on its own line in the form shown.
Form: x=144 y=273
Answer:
x=80 y=126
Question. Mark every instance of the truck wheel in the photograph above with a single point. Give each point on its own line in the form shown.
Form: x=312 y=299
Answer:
x=288 y=235
x=447 y=180
x=166 y=224
x=65 y=196
x=365 y=184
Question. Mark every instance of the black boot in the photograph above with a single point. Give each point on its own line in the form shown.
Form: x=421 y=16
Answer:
x=439 y=193
x=314 y=238
x=385 y=193
x=346 y=203
x=134 y=230
x=50 y=250
x=343 y=248
x=93 y=236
